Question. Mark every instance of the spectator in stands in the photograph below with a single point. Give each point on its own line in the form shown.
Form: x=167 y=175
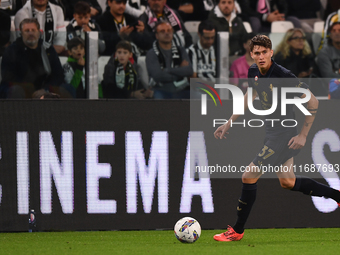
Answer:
x=305 y=11
x=333 y=17
x=159 y=11
x=239 y=68
x=328 y=59
x=118 y=26
x=168 y=65
x=74 y=68
x=262 y=13
x=224 y=18
x=120 y=76
x=82 y=23
x=295 y=54
x=202 y=54
x=5 y=28
x=51 y=20
x=96 y=10
x=188 y=9
x=27 y=66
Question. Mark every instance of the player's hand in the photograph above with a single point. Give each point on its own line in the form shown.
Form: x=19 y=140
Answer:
x=297 y=142
x=140 y=27
x=221 y=131
x=86 y=28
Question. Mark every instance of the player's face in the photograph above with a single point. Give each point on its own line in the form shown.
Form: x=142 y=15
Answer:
x=77 y=52
x=117 y=8
x=123 y=56
x=208 y=38
x=226 y=6
x=82 y=19
x=157 y=5
x=262 y=57
x=335 y=34
x=30 y=35
x=297 y=41
x=164 y=33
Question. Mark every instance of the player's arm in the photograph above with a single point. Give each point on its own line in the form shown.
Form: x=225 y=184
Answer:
x=222 y=130
x=297 y=142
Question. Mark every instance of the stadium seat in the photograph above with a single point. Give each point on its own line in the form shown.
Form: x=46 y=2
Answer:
x=13 y=35
x=281 y=26
x=316 y=39
x=276 y=38
x=192 y=27
x=318 y=26
x=102 y=61
x=247 y=26
x=143 y=71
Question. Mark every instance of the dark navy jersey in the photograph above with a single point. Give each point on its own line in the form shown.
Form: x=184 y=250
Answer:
x=277 y=76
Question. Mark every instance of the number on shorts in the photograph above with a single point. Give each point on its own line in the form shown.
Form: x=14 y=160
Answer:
x=264 y=150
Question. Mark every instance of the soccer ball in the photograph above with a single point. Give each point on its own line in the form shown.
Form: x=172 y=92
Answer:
x=187 y=230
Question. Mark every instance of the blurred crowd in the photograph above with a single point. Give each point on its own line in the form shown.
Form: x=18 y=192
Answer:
x=35 y=34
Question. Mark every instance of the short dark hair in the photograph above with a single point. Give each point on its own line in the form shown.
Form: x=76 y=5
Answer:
x=161 y=23
x=82 y=8
x=118 y=1
x=218 y=1
x=29 y=21
x=330 y=41
x=205 y=25
x=124 y=45
x=247 y=36
x=260 y=40
x=74 y=42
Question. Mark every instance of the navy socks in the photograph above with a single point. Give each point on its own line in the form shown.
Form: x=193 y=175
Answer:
x=245 y=203
x=313 y=188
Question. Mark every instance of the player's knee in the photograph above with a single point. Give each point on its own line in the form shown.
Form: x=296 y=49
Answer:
x=247 y=178
x=287 y=183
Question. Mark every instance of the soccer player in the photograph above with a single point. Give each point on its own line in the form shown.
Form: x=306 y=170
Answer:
x=281 y=144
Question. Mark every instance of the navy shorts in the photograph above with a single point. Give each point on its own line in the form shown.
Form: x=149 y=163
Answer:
x=275 y=151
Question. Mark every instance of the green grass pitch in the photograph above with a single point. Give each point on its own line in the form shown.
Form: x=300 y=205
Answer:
x=255 y=241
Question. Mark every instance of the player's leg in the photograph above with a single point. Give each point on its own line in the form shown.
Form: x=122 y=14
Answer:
x=306 y=185
x=287 y=177
x=246 y=201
